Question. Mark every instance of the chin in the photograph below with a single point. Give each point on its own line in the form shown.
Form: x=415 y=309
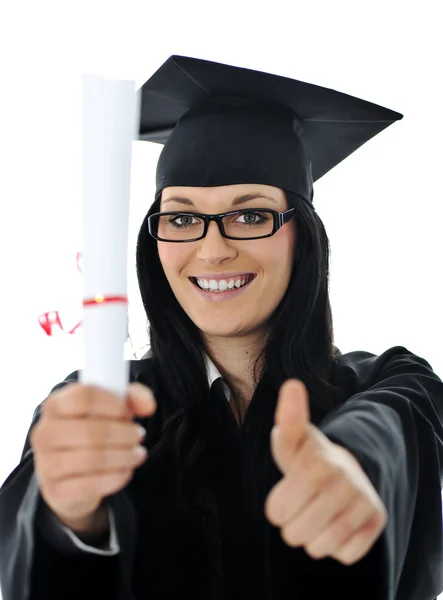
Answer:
x=221 y=329
x=220 y=332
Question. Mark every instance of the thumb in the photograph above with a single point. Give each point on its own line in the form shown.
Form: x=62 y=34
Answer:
x=140 y=400
x=291 y=423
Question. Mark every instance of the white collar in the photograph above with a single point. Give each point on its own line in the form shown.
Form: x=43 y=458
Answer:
x=211 y=370
x=213 y=374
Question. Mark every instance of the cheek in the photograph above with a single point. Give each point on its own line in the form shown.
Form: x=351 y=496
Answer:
x=277 y=255
x=172 y=258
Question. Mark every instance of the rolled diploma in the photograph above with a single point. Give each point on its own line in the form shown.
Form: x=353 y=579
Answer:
x=110 y=124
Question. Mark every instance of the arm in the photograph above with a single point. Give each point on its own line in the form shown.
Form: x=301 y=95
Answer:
x=34 y=564
x=393 y=425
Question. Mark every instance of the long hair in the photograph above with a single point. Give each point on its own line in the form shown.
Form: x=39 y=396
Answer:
x=299 y=343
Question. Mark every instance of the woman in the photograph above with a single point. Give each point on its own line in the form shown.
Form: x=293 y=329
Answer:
x=232 y=263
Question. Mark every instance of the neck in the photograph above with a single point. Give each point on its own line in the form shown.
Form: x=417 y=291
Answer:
x=235 y=358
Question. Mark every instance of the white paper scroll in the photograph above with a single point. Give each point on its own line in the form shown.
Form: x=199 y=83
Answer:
x=110 y=124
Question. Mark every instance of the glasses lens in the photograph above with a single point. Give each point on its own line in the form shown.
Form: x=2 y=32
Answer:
x=249 y=224
x=178 y=227
x=186 y=227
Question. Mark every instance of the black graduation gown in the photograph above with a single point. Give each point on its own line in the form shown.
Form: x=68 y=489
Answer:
x=390 y=416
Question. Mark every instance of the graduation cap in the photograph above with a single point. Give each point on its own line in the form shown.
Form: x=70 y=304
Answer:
x=224 y=125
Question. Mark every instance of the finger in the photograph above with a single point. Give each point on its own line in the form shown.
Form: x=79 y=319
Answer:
x=93 y=433
x=129 y=413
x=78 y=400
x=292 y=406
x=138 y=392
x=318 y=515
x=291 y=423
x=91 y=486
x=309 y=473
x=359 y=544
x=344 y=526
x=75 y=463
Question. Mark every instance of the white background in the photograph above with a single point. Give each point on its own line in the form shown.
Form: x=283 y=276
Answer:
x=382 y=207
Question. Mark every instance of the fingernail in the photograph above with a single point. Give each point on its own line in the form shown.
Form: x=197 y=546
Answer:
x=144 y=393
x=140 y=451
x=275 y=433
x=141 y=431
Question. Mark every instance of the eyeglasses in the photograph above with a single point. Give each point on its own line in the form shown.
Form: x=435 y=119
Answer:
x=246 y=224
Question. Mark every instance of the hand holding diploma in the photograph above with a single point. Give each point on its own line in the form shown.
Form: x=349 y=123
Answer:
x=80 y=460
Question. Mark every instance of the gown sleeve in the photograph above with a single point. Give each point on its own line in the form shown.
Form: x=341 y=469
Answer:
x=63 y=537
x=392 y=422
x=40 y=560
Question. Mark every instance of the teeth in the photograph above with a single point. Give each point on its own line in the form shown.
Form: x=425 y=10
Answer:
x=222 y=285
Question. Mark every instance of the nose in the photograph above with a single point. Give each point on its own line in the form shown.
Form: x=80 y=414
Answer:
x=214 y=248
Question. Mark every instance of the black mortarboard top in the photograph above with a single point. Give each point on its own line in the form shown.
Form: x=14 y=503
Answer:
x=224 y=125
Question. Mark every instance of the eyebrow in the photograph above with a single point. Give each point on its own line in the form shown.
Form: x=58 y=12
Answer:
x=236 y=201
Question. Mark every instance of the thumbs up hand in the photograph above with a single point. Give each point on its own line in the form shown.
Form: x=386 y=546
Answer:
x=324 y=502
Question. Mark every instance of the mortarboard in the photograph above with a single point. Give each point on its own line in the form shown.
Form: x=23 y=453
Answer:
x=224 y=125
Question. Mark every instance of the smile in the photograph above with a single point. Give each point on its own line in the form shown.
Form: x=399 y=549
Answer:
x=223 y=289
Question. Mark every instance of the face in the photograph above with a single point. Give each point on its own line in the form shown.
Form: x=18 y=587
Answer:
x=242 y=311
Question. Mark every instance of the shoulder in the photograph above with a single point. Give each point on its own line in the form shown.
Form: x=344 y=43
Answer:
x=361 y=361
x=358 y=370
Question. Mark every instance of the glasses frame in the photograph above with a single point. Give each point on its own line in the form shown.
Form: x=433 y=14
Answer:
x=280 y=219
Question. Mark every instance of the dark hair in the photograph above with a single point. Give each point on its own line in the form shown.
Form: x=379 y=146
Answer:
x=300 y=342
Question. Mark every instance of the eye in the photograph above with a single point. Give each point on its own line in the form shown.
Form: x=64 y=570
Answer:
x=253 y=218
x=182 y=221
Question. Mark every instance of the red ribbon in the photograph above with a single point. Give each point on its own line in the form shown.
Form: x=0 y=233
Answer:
x=49 y=320
x=100 y=299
